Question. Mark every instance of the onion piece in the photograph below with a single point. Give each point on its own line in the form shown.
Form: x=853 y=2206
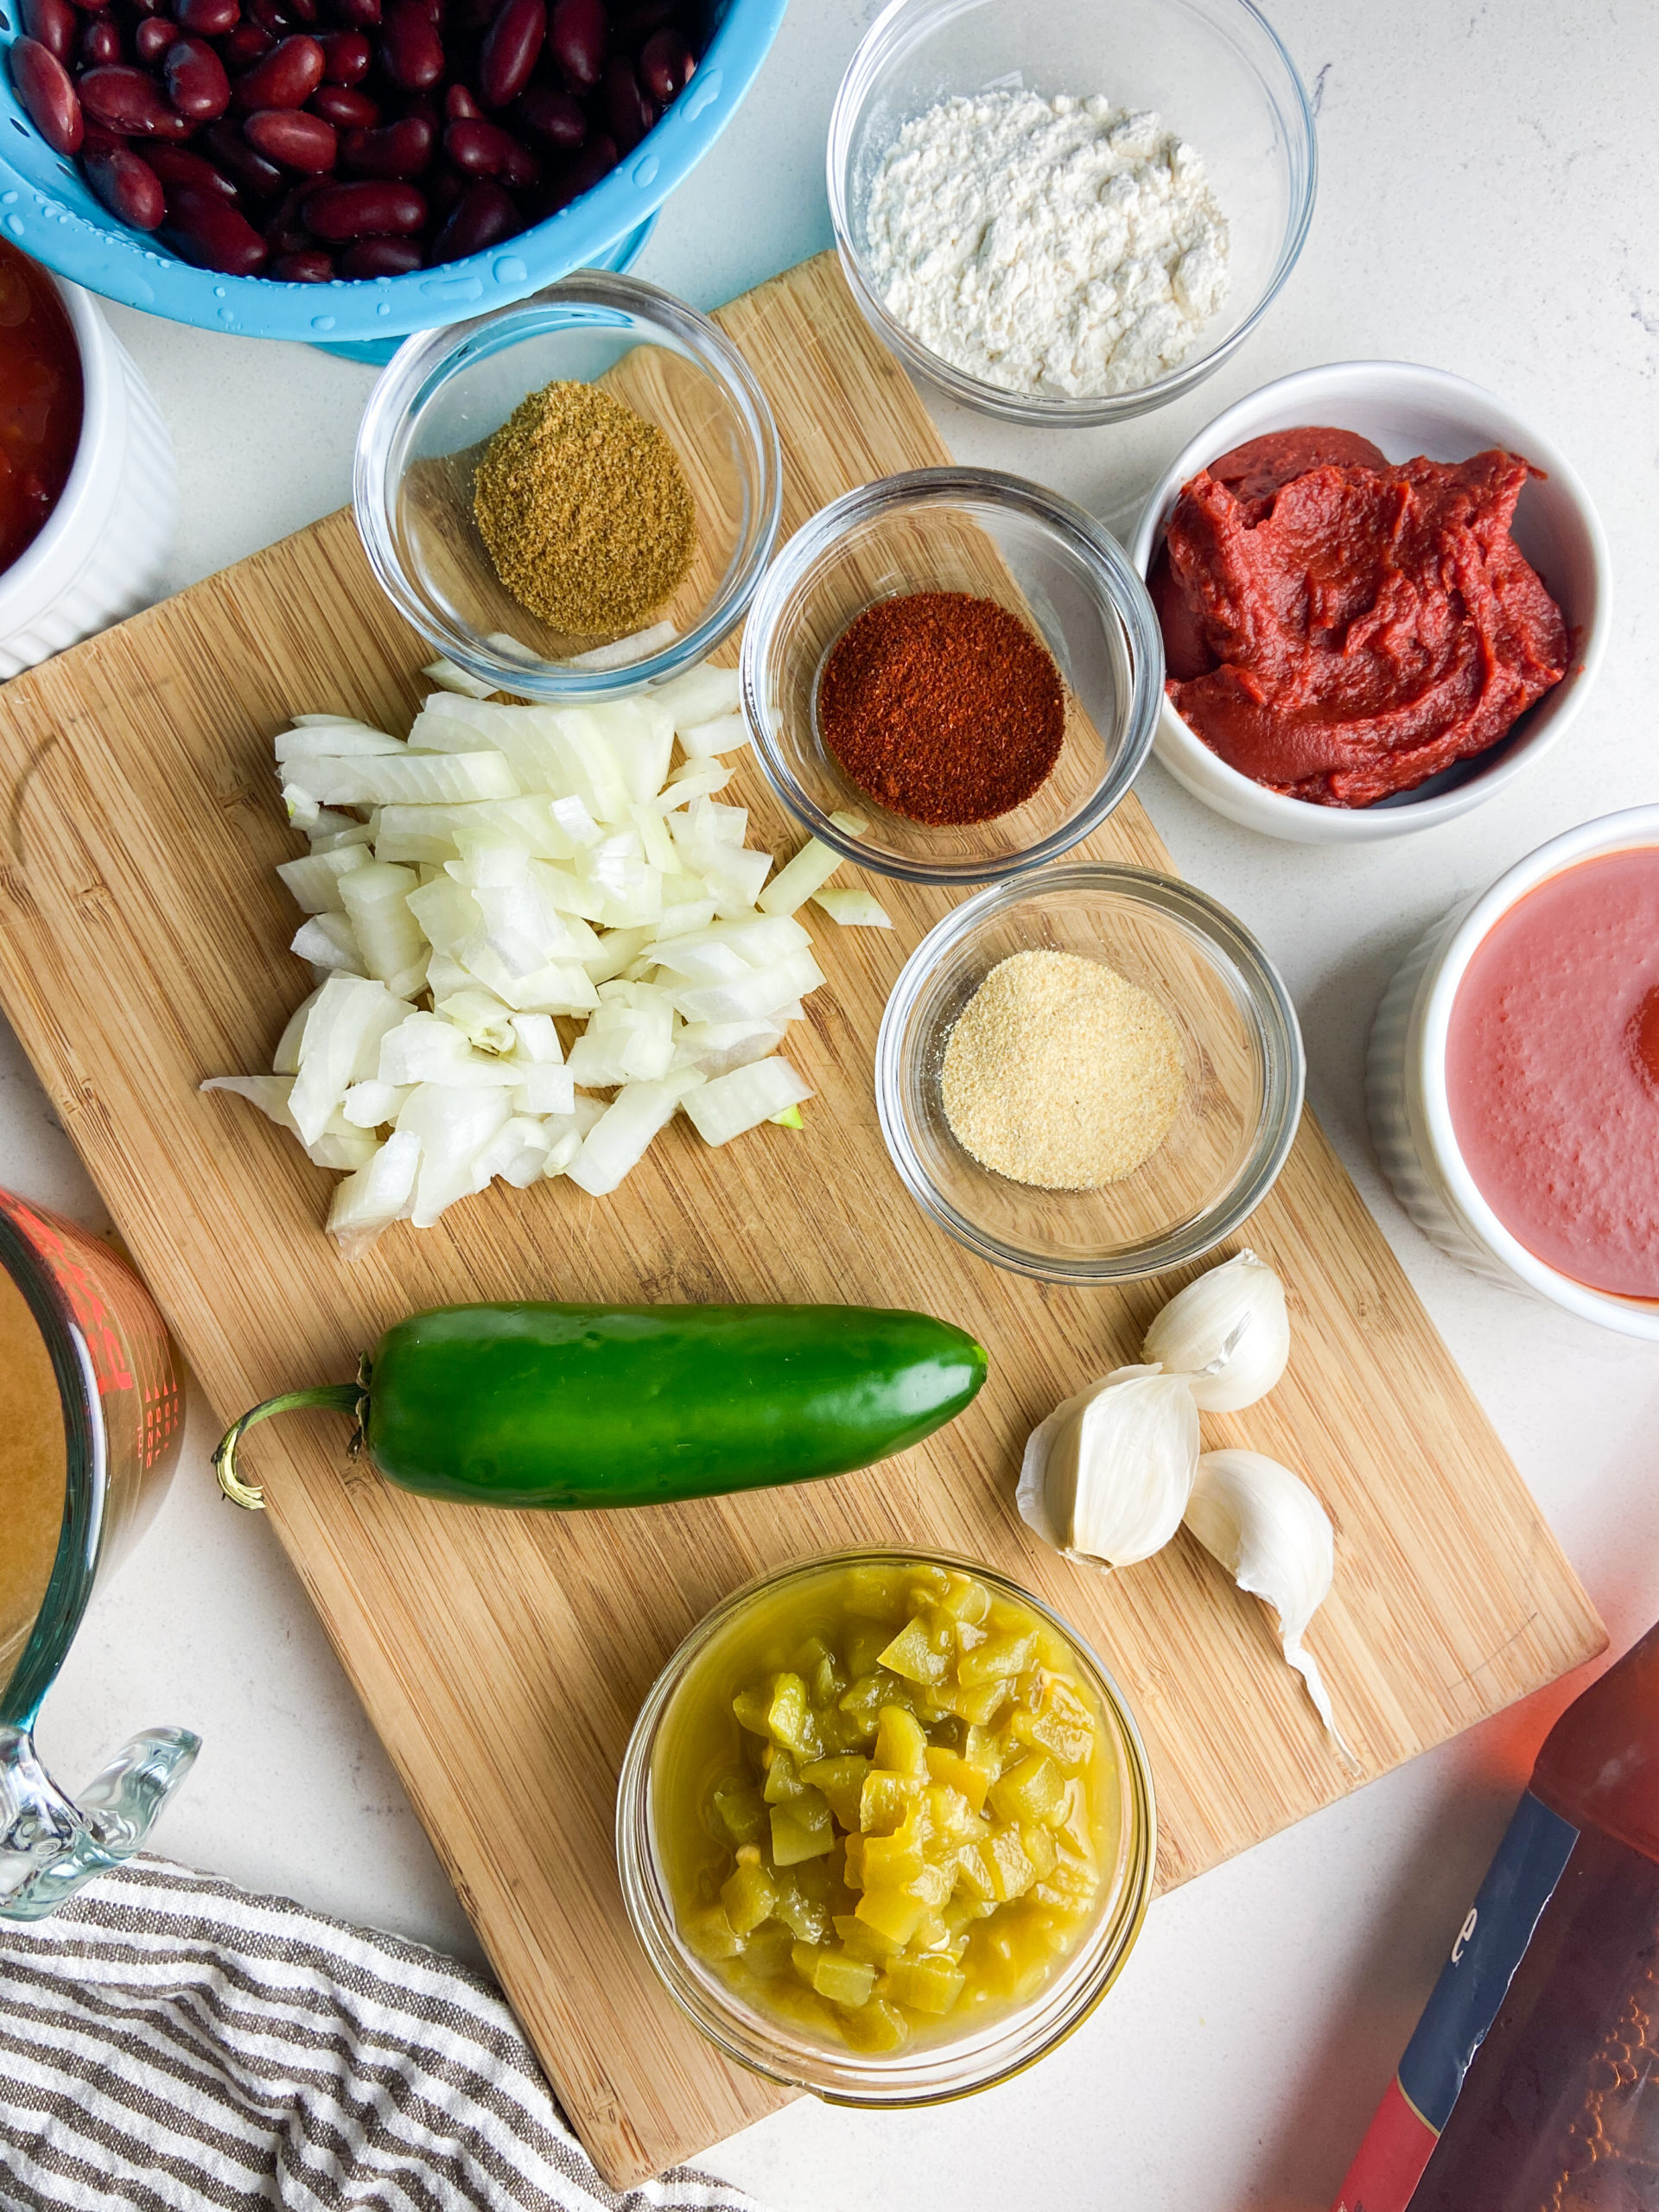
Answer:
x=733 y=1104
x=622 y=652
x=619 y=1140
x=854 y=908
x=448 y=677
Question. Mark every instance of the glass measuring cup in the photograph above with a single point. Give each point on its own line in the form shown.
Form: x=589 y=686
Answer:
x=123 y=1423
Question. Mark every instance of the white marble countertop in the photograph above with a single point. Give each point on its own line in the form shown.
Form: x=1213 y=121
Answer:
x=1489 y=203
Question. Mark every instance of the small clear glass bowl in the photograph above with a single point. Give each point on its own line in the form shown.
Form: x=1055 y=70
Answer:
x=1215 y=71
x=1241 y=1046
x=929 y=2070
x=447 y=392
x=966 y=530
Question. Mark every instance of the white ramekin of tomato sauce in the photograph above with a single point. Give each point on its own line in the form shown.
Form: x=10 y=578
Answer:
x=1512 y=1080
x=88 y=482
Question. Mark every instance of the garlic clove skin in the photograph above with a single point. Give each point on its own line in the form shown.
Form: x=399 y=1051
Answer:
x=1106 y=1477
x=1274 y=1537
x=1228 y=1332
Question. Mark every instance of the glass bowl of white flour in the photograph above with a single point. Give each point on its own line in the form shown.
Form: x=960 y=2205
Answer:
x=1070 y=211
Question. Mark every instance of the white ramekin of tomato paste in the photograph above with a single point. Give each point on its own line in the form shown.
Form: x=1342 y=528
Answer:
x=101 y=554
x=1512 y=1080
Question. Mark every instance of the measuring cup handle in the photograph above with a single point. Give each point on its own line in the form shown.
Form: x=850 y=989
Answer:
x=48 y=1847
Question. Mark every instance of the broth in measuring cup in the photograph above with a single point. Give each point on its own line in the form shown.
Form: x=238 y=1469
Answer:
x=33 y=1456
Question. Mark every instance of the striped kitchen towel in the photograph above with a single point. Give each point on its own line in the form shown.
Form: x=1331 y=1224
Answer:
x=168 y=2044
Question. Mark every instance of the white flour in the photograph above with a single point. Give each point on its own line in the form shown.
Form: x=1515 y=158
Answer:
x=1047 y=245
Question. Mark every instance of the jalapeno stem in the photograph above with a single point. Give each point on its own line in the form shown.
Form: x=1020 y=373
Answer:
x=333 y=1397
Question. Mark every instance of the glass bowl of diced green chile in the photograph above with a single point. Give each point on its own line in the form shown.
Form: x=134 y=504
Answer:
x=886 y=1826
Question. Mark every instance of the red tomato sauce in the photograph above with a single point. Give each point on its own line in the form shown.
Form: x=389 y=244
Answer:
x=39 y=401
x=1552 y=1071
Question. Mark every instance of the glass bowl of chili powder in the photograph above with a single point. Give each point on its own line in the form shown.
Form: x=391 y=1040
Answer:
x=961 y=661
x=1243 y=1071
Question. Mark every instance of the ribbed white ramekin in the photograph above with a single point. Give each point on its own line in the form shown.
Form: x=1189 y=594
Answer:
x=103 y=553
x=1406 y=1094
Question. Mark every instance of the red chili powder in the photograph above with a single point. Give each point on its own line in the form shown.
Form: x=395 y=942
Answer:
x=943 y=705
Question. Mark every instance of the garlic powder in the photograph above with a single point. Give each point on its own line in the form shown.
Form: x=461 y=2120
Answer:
x=1062 y=246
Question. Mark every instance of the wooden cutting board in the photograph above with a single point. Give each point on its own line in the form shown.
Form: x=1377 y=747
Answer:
x=502 y=1656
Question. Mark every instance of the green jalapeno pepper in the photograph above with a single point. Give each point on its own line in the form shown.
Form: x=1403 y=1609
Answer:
x=569 y=1406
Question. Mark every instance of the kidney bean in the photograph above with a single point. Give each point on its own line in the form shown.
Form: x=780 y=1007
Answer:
x=177 y=165
x=345 y=57
x=337 y=213
x=51 y=23
x=101 y=42
x=309 y=265
x=153 y=37
x=285 y=231
x=126 y=184
x=640 y=18
x=509 y=50
x=48 y=99
x=577 y=36
x=479 y=148
x=293 y=139
x=273 y=16
x=304 y=11
x=195 y=80
x=481 y=217
x=442 y=188
x=207 y=18
x=358 y=15
x=402 y=150
x=210 y=232
x=287 y=77
x=596 y=160
x=224 y=142
x=381 y=258
x=553 y=116
x=666 y=65
x=246 y=44
x=411 y=52
x=627 y=110
x=426 y=107
x=345 y=106
x=460 y=106
x=124 y=99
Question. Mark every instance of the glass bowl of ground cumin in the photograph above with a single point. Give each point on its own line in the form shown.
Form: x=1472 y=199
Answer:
x=1089 y=1074
x=961 y=661
x=572 y=498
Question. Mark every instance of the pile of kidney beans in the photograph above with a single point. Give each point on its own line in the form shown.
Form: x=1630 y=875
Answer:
x=310 y=139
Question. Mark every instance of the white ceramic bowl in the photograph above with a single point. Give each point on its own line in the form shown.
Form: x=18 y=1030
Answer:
x=1406 y=410
x=1406 y=1094
x=103 y=552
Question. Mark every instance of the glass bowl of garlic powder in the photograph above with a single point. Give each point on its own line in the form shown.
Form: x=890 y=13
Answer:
x=1089 y=1074
x=1072 y=213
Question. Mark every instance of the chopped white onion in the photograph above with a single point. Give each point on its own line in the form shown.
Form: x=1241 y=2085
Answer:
x=854 y=908
x=733 y=1104
x=622 y=652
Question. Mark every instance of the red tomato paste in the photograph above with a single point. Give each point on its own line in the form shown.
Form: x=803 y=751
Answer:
x=1552 y=1071
x=39 y=401
x=1339 y=629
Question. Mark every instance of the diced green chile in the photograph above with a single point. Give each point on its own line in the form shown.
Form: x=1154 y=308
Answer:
x=573 y=1406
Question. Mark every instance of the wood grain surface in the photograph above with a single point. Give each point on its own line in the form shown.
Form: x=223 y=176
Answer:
x=502 y=1656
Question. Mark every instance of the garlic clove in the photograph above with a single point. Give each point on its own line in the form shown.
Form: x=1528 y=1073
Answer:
x=1229 y=1333
x=1274 y=1537
x=1106 y=1477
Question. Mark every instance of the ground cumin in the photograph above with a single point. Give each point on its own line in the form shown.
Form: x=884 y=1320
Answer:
x=943 y=705
x=1062 y=1073
x=585 y=511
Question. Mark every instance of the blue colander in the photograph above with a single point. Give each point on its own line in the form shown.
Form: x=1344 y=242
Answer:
x=47 y=207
